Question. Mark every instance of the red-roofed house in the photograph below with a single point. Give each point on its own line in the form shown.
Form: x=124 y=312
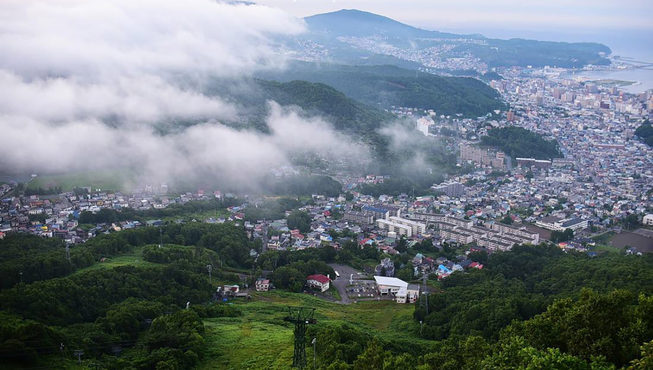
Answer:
x=262 y=285
x=476 y=265
x=318 y=281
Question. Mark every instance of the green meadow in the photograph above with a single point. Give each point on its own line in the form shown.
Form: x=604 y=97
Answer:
x=261 y=339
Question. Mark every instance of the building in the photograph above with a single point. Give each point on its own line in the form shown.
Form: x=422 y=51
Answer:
x=389 y=285
x=485 y=157
x=557 y=224
x=375 y=212
x=318 y=281
x=410 y=294
x=510 y=116
x=423 y=124
x=360 y=218
x=416 y=227
x=648 y=219
x=450 y=188
x=520 y=233
x=262 y=285
x=394 y=227
x=385 y=268
x=532 y=162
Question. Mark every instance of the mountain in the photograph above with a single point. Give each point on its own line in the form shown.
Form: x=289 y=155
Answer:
x=345 y=113
x=313 y=99
x=386 y=86
x=353 y=37
x=356 y=23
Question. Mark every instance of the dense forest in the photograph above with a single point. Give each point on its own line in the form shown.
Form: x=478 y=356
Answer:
x=387 y=86
x=128 y=315
x=532 y=307
x=29 y=258
x=518 y=142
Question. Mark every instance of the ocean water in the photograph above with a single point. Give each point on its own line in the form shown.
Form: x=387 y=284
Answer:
x=642 y=77
x=626 y=43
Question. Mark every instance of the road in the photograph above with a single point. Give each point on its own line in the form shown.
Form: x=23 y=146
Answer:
x=342 y=282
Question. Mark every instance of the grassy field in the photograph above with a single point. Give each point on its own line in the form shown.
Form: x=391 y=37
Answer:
x=105 y=180
x=260 y=339
x=133 y=258
x=607 y=248
x=199 y=216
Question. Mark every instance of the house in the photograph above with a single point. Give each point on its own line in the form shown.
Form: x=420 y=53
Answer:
x=262 y=285
x=476 y=265
x=648 y=219
x=385 y=268
x=409 y=294
x=318 y=281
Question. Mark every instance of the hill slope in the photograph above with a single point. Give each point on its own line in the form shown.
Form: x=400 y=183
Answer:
x=352 y=22
x=345 y=33
x=386 y=86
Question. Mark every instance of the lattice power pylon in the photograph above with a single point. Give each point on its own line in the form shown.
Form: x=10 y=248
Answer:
x=301 y=317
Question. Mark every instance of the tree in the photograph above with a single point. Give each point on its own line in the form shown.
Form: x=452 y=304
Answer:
x=300 y=220
x=405 y=273
x=646 y=358
x=507 y=220
x=372 y=358
x=562 y=236
x=402 y=244
x=631 y=221
x=515 y=353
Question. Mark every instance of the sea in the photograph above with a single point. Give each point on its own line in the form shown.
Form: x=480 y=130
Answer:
x=642 y=78
x=635 y=45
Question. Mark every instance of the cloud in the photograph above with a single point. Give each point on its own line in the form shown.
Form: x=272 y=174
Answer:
x=131 y=99
x=101 y=39
x=206 y=152
x=92 y=82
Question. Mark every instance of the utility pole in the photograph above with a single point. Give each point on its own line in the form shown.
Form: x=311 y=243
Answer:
x=314 y=356
x=426 y=293
x=79 y=354
x=68 y=253
x=160 y=237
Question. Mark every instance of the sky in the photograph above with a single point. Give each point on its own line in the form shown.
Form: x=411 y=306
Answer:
x=624 y=25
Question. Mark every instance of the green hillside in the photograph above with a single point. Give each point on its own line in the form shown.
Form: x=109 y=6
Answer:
x=345 y=113
x=528 y=308
x=645 y=132
x=387 y=86
x=518 y=142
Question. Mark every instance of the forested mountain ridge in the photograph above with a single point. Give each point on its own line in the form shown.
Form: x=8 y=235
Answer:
x=385 y=86
x=343 y=33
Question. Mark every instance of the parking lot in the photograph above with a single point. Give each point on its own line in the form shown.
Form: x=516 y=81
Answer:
x=361 y=289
